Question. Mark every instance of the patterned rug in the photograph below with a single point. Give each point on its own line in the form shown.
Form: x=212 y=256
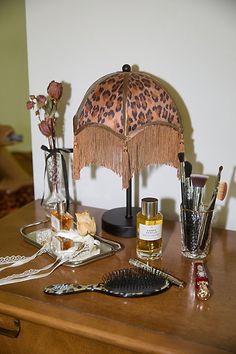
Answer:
x=23 y=195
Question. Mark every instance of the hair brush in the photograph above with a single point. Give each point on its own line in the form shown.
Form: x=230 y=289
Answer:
x=130 y=282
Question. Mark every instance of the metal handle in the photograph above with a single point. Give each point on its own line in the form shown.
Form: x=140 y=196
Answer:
x=62 y=289
x=14 y=332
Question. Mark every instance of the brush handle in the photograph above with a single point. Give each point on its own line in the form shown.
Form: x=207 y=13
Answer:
x=210 y=209
x=182 y=177
x=65 y=289
x=188 y=193
x=205 y=229
x=197 y=198
x=215 y=191
x=183 y=195
x=188 y=184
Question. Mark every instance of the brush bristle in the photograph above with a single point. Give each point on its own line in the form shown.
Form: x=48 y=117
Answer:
x=132 y=280
x=181 y=156
x=199 y=180
x=187 y=168
x=222 y=191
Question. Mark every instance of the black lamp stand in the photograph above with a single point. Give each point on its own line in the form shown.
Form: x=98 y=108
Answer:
x=121 y=221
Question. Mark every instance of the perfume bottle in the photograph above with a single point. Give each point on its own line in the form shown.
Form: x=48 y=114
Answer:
x=60 y=219
x=149 y=230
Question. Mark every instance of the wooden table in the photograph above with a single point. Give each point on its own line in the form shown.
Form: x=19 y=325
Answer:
x=171 y=322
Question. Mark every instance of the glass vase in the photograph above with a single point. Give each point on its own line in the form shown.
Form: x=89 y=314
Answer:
x=54 y=176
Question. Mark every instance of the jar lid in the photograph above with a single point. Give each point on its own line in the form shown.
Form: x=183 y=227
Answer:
x=149 y=207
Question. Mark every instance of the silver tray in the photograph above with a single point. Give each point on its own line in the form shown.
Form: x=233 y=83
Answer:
x=107 y=247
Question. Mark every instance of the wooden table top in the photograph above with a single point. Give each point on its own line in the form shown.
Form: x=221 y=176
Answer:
x=171 y=322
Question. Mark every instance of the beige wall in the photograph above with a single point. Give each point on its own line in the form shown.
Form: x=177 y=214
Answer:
x=13 y=70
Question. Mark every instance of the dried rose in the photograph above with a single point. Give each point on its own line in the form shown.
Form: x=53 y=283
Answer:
x=55 y=90
x=85 y=224
x=41 y=100
x=46 y=127
x=30 y=104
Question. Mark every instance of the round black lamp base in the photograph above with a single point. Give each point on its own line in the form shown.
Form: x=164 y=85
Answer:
x=115 y=222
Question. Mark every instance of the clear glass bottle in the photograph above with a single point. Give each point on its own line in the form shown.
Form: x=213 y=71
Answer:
x=149 y=230
x=60 y=219
x=55 y=182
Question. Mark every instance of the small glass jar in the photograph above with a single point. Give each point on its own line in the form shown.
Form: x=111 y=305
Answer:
x=149 y=230
x=60 y=219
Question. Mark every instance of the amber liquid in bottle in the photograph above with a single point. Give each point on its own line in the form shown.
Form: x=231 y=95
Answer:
x=61 y=220
x=149 y=230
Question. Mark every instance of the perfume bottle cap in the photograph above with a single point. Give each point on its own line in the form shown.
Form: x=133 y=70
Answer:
x=61 y=207
x=149 y=207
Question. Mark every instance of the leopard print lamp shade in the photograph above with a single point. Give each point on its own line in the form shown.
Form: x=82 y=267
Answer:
x=126 y=122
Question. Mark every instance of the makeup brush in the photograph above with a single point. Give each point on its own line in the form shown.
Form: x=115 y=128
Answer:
x=187 y=169
x=211 y=205
x=198 y=183
x=181 y=160
x=188 y=184
x=210 y=209
x=182 y=176
x=222 y=191
x=193 y=217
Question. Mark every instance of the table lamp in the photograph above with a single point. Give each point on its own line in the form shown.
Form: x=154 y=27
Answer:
x=126 y=122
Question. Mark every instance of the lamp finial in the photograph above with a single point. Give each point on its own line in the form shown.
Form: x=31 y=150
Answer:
x=126 y=68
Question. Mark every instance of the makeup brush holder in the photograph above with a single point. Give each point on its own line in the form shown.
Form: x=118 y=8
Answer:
x=195 y=232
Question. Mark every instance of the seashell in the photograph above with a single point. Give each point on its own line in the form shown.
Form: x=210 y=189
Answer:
x=85 y=223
